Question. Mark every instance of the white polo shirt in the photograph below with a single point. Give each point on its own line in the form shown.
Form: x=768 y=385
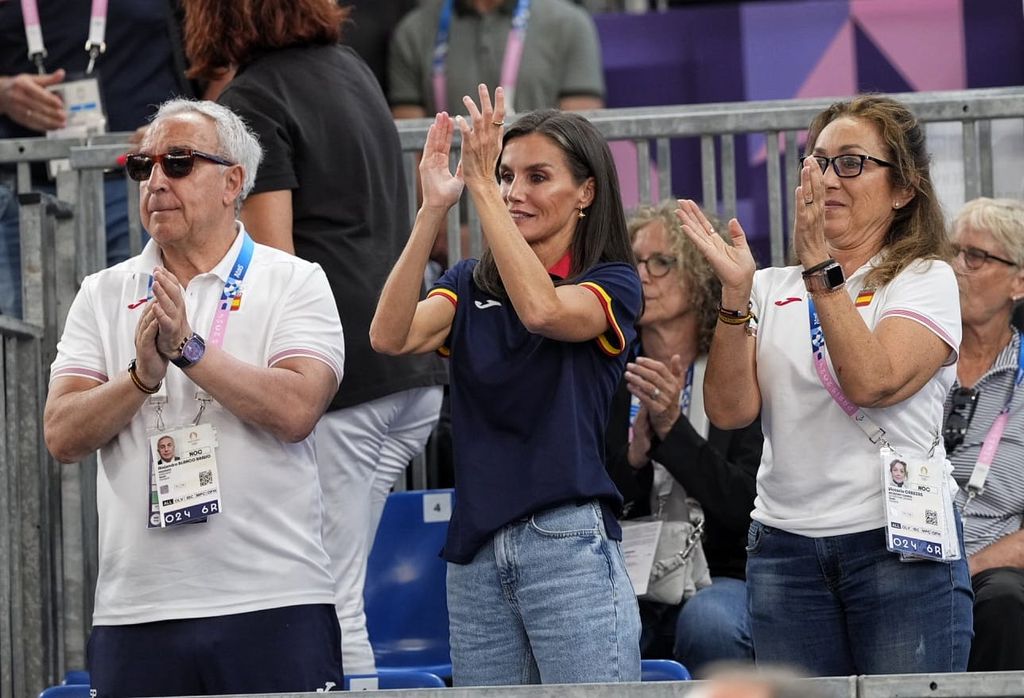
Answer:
x=264 y=550
x=819 y=473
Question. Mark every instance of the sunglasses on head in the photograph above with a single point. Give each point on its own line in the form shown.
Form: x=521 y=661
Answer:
x=175 y=164
x=963 y=403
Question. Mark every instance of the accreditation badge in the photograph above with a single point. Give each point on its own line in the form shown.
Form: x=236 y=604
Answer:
x=918 y=507
x=86 y=116
x=184 y=481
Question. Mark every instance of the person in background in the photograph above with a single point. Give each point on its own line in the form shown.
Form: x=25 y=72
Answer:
x=142 y=65
x=331 y=190
x=537 y=333
x=546 y=52
x=246 y=586
x=984 y=414
x=828 y=355
x=675 y=453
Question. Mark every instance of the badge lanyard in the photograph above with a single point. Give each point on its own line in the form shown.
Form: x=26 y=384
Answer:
x=875 y=433
x=509 y=64
x=229 y=298
x=976 y=484
x=94 y=45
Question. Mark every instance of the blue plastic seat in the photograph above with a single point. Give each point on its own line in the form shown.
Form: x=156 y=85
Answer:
x=406 y=604
x=388 y=679
x=76 y=677
x=662 y=670
x=73 y=690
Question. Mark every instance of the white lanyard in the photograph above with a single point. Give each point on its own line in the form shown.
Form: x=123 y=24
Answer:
x=94 y=45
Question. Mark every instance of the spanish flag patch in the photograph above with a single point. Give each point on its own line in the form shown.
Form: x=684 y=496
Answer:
x=864 y=298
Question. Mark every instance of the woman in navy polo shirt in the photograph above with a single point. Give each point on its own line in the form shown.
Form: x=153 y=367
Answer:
x=538 y=332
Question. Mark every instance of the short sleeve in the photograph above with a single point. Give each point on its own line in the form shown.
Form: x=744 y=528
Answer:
x=309 y=325
x=447 y=287
x=617 y=287
x=269 y=119
x=581 y=62
x=926 y=292
x=405 y=63
x=80 y=349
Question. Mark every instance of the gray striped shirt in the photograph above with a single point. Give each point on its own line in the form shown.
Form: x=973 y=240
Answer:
x=999 y=509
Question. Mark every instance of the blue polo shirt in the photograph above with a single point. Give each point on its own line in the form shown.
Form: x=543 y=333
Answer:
x=528 y=412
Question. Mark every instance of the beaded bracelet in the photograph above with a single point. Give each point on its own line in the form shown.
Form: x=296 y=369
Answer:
x=138 y=383
x=736 y=317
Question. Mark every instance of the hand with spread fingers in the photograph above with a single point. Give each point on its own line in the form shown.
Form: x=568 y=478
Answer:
x=809 y=204
x=481 y=136
x=441 y=189
x=658 y=387
x=733 y=264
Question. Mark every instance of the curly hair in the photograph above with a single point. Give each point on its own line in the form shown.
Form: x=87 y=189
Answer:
x=225 y=34
x=918 y=229
x=695 y=274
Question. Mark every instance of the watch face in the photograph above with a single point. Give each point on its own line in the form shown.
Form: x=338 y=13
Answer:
x=193 y=350
x=834 y=276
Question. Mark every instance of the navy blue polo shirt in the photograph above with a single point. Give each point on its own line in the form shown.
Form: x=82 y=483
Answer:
x=528 y=412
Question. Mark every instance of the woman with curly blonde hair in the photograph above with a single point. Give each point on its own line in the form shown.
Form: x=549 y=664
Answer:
x=662 y=449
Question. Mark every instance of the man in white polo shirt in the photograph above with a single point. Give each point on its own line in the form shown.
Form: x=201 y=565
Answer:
x=212 y=576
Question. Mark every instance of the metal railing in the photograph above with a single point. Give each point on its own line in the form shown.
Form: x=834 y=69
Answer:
x=48 y=555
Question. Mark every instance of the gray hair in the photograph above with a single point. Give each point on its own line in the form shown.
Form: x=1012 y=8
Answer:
x=235 y=141
x=1003 y=219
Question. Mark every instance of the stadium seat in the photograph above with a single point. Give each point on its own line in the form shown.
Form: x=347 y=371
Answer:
x=75 y=690
x=662 y=670
x=406 y=606
x=76 y=677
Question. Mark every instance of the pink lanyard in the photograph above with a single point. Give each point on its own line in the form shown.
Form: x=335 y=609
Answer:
x=509 y=65
x=94 y=45
x=989 y=447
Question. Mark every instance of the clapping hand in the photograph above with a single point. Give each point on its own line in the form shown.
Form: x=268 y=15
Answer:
x=733 y=264
x=441 y=189
x=481 y=135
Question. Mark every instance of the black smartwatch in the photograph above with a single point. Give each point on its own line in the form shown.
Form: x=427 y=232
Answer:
x=826 y=279
x=191 y=350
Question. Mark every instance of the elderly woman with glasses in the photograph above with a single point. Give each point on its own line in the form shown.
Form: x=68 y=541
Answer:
x=984 y=426
x=662 y=450
x=853 y=352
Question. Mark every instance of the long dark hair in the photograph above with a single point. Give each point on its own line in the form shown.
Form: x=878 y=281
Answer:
x=918 y=229
x=602 y=235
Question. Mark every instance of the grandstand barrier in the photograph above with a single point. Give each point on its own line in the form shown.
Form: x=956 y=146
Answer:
x=48 y=557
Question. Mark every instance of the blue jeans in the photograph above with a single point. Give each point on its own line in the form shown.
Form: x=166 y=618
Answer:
x=843 y=605
x=118 y=248
x=714 y=625
x=546 y=600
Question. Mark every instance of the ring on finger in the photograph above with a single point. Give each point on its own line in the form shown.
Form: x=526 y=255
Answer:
x=498 y=123
x=28 y=113
x=655 y=393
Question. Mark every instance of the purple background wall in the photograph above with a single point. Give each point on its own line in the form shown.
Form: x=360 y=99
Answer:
x=802 y=49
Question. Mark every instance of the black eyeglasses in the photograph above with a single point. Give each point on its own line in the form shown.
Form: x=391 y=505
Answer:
x=975 y=258
x=964 y=401
x=657 y=265
x=846 y=166
x=176 y=164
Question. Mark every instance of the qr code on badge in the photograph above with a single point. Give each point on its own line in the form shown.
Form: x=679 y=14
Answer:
x=206 y=478
x=931 y=517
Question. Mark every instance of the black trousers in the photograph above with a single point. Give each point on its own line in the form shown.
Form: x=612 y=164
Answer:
x=998 y=620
